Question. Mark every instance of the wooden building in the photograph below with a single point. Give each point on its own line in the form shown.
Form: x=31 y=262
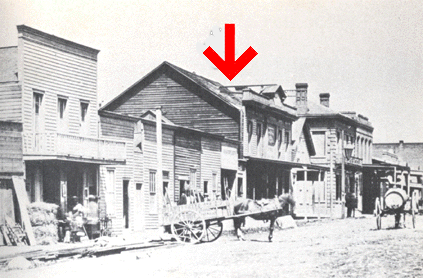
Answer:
x=332 y=133
x=49 y=84
x=257 y=153
x=190 y=157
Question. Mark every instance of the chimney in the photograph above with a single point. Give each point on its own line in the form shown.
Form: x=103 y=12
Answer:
x=401 y=146
x=324 y=99
x=301 y=97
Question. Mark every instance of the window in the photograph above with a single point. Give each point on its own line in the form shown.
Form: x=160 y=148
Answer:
x=152 y=187
x=272 y=131
x=250 y=130
x=61 y=107
x=319 y=141
x=152 y=182
x=258 y=133
x=38 y=98
x=84 y=110
x=287 y=139
x=280 y=138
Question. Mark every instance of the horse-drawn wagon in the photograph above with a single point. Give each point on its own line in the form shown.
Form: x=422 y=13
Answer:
x=202 y=220
x=396 y=202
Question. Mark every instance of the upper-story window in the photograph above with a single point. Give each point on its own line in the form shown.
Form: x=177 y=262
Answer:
x=259 y=141
x=250 y=130
x=62 y=114
x=272 y=134
x=84 y=117
x=38 y=99
x=84 y=111
x=61 y=107
x=319 y=141
x=287 y=139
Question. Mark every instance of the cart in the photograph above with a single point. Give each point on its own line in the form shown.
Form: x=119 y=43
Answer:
x=396 y=202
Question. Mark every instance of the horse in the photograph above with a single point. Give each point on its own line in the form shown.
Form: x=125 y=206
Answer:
x=270 y=210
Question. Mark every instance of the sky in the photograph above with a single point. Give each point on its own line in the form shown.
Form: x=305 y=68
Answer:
x=367 y=54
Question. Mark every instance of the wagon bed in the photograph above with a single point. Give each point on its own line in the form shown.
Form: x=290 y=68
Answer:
x=202 y=221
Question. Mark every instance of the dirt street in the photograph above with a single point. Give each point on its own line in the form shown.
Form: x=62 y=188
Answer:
x=330 y=248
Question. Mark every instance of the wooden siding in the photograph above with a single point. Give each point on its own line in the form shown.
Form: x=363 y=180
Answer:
x=182 y=106
x=187 y=157
x=11 y=161
x=210 y=162
x=123 y=130
x=58 y=73
x=269 y=151
x=116 y=127
x=11 y=102
x=150 y=163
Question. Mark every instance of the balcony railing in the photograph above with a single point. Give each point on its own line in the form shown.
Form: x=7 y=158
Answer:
x=57 y=144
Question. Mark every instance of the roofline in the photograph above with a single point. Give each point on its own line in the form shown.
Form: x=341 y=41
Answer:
x=52 y=41
x=175 y=69
x=130 y=88
x=338 y=115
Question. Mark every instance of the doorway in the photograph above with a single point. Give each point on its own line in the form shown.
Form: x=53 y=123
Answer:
x=126 y=203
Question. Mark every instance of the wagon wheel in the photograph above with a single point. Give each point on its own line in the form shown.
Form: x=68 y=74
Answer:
x=213 y=231
x=188 y=226
x=378 y=213
x=414 y=208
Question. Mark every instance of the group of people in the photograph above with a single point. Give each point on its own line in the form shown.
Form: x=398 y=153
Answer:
x=80 y=221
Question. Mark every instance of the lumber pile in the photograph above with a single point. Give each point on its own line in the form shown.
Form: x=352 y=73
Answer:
x=43 y=217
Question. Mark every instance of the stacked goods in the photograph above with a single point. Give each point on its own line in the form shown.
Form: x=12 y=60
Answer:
x=43 y=217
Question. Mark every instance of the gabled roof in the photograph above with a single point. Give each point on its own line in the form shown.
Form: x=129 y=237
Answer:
x=214 y=88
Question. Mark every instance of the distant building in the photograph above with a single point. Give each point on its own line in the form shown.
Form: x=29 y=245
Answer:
x=332 y=132
x=411 y=153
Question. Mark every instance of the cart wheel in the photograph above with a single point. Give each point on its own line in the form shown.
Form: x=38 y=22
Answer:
x=414 y=208
x=188 y=226
x=213 y=231
x=378 y=212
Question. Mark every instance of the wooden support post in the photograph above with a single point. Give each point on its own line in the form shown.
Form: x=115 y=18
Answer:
x=318 y=193
x=159 y=175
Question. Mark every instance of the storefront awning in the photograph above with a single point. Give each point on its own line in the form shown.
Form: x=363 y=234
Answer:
x=288 y=164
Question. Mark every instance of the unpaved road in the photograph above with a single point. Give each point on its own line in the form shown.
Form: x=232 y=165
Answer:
x=330 y=248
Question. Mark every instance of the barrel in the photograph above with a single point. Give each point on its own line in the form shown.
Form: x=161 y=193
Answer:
x=395 y=198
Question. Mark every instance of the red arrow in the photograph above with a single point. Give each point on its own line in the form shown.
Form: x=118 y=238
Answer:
x=229 y=67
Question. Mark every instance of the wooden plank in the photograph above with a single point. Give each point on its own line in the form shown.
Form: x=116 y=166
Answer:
x=6 y=205
x=22 y=197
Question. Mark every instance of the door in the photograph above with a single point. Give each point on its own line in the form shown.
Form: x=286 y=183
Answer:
x=126 y=204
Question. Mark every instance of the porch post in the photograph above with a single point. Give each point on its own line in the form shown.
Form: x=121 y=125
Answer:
x=159 y=186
